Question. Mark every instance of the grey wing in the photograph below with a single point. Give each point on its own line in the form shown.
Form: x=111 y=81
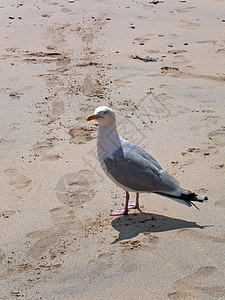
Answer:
x=133 y=151
x=138 y=173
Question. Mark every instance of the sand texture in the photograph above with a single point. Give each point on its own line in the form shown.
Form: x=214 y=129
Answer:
x=160 y=66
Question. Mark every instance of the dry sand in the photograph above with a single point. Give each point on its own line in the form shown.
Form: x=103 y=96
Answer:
x=61 y=60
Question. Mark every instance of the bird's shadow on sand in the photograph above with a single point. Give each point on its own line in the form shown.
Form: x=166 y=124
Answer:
x=132 y=225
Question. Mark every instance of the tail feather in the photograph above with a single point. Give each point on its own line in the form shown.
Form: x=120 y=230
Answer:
x=187 y=198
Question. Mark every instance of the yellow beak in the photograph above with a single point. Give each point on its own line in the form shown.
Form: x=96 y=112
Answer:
x=92 y=117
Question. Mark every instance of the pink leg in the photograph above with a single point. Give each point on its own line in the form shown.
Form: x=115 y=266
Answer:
x=134 y=205
x=137 y=200
x=122 y=211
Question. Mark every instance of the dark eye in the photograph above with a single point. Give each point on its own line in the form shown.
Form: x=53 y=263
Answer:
x=105 y=112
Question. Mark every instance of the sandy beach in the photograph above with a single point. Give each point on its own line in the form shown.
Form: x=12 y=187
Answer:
x=160 y=66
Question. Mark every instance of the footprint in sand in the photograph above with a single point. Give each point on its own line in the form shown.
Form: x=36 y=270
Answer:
x=45 y=241
x=16 y=179
x=88 y=37
x=199 y=235
x=57 y=107
x=91 y=88
x=41 y=147
x=212 y=119
x=53 y=242
x=44 y=149
x=99 y=266
x=81 y=135
x=129 y=263
x=74 y=189
x=190 y=287
x=218 y=137
x=62 y=214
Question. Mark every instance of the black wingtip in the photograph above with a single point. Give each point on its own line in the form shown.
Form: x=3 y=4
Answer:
x=187 y=198
x=194 y=204
x=194 y=197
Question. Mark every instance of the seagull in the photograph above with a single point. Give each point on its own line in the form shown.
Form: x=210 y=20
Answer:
x=132 y=168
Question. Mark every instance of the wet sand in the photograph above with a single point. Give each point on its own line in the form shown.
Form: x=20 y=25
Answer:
x=160 y=66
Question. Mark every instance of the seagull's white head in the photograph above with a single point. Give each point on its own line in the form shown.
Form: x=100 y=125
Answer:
x=104 y=115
